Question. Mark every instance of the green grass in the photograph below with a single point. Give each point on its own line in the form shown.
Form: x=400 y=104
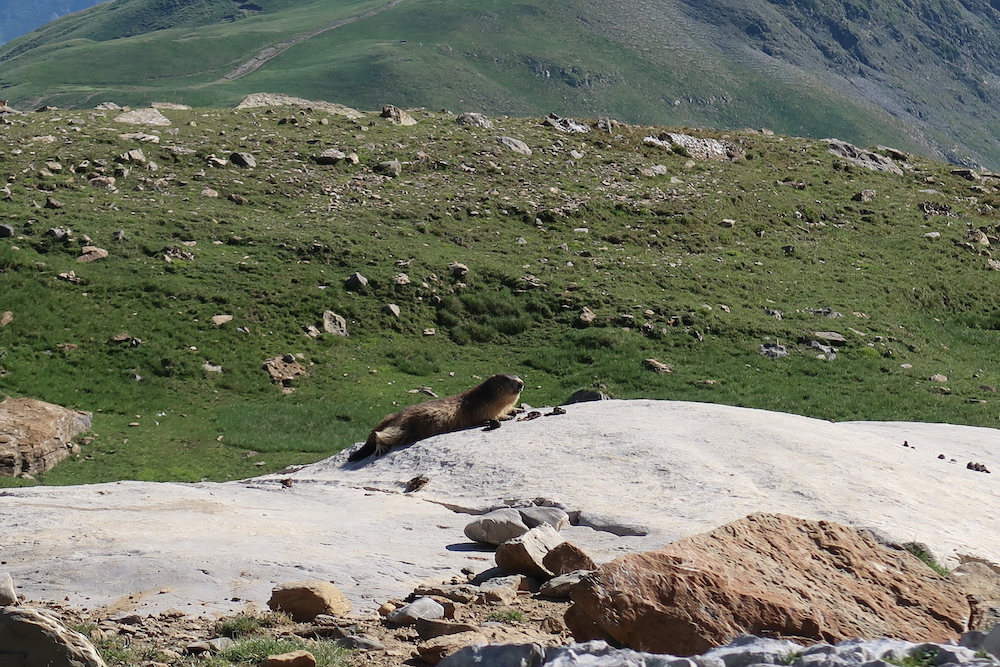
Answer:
x=796 y=68
x=507 y=616
x=664 y=278
x=926 y=557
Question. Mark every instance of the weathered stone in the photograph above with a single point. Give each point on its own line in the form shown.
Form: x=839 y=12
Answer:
x=567 y=557
x=515 y=145
x=8 y=595
x=981 y=584
x=209 y=646
x=501 y=655
x=135 y=155
x=143 y=117
x=6 y=317
x=397 y=116
x=938 y=377
x=455 y=592
x=587 y=316
x=517 y=582
x=355 y=282
x=770 y=574
x=35 y=436
x=36 y=638
x=696 y=147
x=474 y=119
x=52 y=202
x=537 y=516
x=458 y=269
x=219 y=320
x=256 y=100
x=496 y=527
x=420 y=608
x=6 y=231
x=436 y=650
x=566 y=124
x=862 y=158
x=331 y=156
x=91 y=253
x=304 y=600
x=559 y=587
x=294 y=659
x=391 y=309
x=524 y=554
x=504 y=595
x=243 y=159
x=334 y=324
x=864 y=196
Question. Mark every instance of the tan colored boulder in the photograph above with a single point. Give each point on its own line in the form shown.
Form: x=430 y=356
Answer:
x=305 y=600
x=36 y=638
x=766 y=574
x=567 y=557
x=293 y=659
x=8 y=595
x=524 y=554
x=981 y=584
x=91 y=252
x=437 y=649
x=35 y=436
x=397 y=116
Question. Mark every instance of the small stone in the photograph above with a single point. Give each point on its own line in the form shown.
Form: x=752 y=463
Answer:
x=91 y=253
x=938 y=377
x=219 y=320
x=391 y=309
x=727 y=223
x=6 y=231
x=475 y=120
x=515 y=145
x=6 y=317
x=389 y=167
x=658 y=366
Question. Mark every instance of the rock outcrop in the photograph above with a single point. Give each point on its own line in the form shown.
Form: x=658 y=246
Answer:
x=766 y=574
x=35 y=436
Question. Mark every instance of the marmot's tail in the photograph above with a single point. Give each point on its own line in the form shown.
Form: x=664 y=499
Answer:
x=363 y=452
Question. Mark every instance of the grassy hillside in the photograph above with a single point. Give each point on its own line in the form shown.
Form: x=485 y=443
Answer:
x=925 y=77
x=574 y=225
x=18 y=17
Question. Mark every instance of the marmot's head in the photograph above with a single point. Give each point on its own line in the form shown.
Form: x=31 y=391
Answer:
x=504 y=384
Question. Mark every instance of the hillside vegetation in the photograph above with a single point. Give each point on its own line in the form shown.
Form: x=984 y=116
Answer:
x=922 y=75
x=694 y=263
x=18 y=17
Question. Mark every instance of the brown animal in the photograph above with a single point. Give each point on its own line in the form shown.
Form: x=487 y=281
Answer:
x=494 y=399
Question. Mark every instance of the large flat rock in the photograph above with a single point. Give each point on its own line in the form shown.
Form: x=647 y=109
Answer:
x=639 y=474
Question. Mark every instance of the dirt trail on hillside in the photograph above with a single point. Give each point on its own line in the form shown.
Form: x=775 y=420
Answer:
x=274 y=51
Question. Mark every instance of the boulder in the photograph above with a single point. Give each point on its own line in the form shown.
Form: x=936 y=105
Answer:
x=524 y=554
x=537 y=516
x=981 y=584
x=243 y=159
x=89 y=253
x=515 y=145
x=256 y=100
x=389 y=167
x=862 y=158
x=334 y=324
x=475 y=120
x=143 y=117
x=331 y=156
x=435 y=650
x=766 y=574
x=397 y=116
x=567 y=557
x=305 y=600
x=6 y=231
x=559 y=587
x=35 y=436
x=294 y=659
x=355 y=282
x=36 y=638
x=496 y=527
x=500 y=655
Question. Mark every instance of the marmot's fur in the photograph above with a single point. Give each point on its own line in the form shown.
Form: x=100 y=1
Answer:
x=494 y=399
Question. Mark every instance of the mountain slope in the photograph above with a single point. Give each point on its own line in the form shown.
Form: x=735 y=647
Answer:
x=921 y=75
x=18 y=17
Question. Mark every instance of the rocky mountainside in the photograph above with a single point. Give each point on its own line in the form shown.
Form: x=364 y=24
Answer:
x=922 y=75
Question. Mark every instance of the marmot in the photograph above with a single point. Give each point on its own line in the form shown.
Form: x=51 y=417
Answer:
x=494 y=399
